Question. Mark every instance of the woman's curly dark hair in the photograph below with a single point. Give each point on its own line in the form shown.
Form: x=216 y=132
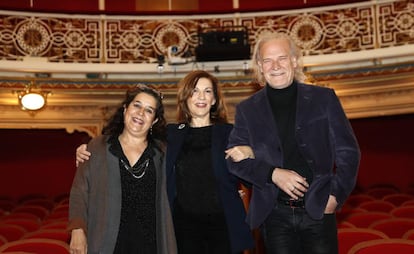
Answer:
x=115 y=125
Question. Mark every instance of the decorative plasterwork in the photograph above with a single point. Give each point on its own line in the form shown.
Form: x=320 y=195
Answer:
x=77 y=105
x=140 y=39
x=364 y=51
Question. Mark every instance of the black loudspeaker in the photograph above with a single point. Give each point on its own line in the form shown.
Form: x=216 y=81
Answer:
x=222 y=45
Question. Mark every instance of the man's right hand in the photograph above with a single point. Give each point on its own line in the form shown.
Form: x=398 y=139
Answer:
x=82 y=154
x=290 y=182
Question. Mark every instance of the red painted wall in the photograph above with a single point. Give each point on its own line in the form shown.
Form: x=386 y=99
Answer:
x=13 y=4
x=387 y=145
x=133 y=6
x=43 y=161
x=37 y=161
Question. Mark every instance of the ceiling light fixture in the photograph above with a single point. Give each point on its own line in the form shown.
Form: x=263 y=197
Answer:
x=32 y=99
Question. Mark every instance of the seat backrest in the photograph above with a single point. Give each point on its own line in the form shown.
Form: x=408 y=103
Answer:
x=364 y=220
x=20 y=215
x=38 y=245
x=408 y=203
x=7 y=204
x=378 y=192
x=3 y=240
x=38 y=210
x=345 y=224
x=44 y=202
x=57 y=234
x=377 y=206
x=384 y=246
x=348 y=237
x=57 y=224
x=398 y=198
x=409 y=235
x=344 y=213
x=28 y=224
x=60 y=214
x=394 y=227
x=403 y=212
x=355 y=200
x=12 y=232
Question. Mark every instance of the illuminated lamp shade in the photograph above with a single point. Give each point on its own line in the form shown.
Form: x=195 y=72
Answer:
x=32 y=100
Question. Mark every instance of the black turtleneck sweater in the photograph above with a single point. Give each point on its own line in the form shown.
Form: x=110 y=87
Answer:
x=283 y=104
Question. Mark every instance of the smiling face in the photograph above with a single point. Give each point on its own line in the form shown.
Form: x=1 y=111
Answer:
x=276 y=63
x=139 y=115
x=201 y=99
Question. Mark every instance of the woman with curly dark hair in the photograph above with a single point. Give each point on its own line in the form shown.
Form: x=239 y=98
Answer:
x=118 y=199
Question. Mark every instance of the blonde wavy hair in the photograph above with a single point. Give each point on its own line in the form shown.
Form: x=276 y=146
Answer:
x=295 y=51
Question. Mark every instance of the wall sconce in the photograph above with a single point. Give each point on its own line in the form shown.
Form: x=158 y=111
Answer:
x=32 y=99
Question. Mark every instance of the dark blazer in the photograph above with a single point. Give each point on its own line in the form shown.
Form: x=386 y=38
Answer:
x=324 y=137
x=239 y=232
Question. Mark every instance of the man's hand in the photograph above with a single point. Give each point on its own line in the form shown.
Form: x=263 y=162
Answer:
x=290 y=182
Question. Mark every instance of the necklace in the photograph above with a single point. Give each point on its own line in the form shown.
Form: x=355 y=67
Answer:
x=137 y=171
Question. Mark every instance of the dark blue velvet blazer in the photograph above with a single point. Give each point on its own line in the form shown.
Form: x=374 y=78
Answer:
x=228 y=184
x=324 y=137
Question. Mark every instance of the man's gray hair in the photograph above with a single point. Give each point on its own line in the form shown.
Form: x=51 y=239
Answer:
x=295 y=51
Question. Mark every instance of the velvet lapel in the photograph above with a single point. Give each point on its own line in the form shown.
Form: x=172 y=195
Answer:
x=304 y=98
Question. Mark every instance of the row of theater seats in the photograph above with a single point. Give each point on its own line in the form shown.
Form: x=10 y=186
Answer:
x=34 y=224
x=377 y=220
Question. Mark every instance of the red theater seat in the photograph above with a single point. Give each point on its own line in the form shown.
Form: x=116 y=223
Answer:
x=356 y=199
x=409 y=235
x=408 y=203
x=403 y=212
x=60 y=224
x=378 y=192
x=28 y=224
x=384 y=246
x=377 y=206
x=56 y=234
x=20 y=215
x=37 y=210
x=38 y=245
x=344 y=213
x=3 y=240
x=345 y=224
x=364 y=220
x=394 y=227
x=348 y=237
x=12 y=232
x=44 y=202
x=398 y=199
x=7 y=204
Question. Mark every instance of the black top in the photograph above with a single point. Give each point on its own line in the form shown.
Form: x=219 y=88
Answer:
x=138 y=219
x=283 y=104
x=196 y=182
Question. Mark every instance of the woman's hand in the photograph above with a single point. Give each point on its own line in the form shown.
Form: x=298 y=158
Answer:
x=82 y=154
x=78 y=243
x=239 y=153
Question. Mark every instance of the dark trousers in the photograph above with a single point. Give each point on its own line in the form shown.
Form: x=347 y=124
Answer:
x=205 y=235
x=291 y=231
